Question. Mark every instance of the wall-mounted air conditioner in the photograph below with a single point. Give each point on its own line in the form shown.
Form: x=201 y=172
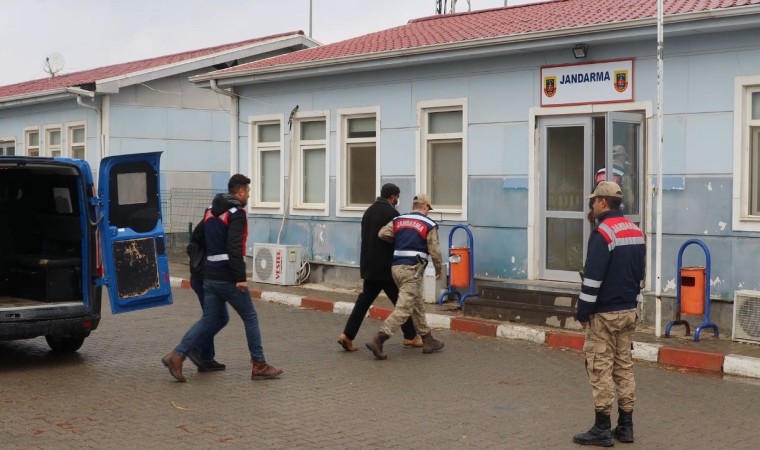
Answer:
x=746 y=316
x=276 y=264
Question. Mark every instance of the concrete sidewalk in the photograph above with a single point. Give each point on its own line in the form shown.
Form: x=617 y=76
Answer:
x=718 y=355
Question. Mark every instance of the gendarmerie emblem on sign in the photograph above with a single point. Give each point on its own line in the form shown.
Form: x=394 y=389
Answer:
x=621 y=80
x=550 y=86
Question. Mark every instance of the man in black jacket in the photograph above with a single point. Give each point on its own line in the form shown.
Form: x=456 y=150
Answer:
x=375 y=268
x=224 y=280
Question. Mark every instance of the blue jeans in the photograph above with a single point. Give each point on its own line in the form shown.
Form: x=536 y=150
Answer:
x=205 y=347
x=215 y=295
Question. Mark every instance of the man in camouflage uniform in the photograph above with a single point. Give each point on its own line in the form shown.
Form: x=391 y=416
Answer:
x=613 y=273
x=415 y=237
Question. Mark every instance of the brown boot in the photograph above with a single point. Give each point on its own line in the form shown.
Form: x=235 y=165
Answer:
x=346 y=343
x=262 y=370
x=173 y=361
x=416 y=342
x=429 y=344
x=376 y=345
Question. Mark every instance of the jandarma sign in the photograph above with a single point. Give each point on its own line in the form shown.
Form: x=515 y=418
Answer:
x=577 y=84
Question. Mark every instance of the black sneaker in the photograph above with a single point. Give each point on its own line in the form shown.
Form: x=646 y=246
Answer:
x=195 y=357
x=212 y=366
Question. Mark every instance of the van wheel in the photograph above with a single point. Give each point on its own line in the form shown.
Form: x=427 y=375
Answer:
x=65 y=344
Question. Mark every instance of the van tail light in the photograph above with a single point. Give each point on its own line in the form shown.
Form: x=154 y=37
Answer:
x=98 y=250
x=98 y=256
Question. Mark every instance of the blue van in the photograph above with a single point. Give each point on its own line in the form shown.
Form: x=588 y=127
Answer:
x=62 y=241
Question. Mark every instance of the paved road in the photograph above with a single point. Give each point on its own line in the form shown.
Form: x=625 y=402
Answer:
x=476 y=393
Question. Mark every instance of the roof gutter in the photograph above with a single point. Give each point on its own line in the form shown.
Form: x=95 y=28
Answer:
x=113 y=84
x=34 y=98
x=234 y=124
x=308 y=68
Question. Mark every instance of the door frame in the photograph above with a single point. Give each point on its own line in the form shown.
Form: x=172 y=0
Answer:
x=534 y=169
x=577 y=121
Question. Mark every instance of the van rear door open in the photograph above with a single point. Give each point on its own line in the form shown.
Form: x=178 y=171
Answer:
x=136 y=265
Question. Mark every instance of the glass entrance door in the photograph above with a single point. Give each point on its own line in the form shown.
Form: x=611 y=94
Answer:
x=566 y=152
x=577 y=153
x=625 y=135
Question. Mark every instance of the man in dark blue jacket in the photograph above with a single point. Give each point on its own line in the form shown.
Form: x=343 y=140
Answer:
x=203 y=354
x=375 y=268
x=613 y=276
x=224 y=280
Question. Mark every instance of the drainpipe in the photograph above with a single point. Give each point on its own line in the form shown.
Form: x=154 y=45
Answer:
x=235 y=124
x=81 y=93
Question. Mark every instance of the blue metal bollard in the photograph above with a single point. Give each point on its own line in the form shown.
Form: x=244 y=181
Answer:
x=679 y=321
x=449 y=288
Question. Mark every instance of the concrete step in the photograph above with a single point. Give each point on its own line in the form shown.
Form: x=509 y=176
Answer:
x=534 y=304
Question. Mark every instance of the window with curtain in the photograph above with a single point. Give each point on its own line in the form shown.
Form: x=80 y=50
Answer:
x=312 y=178
x=53 y=142
x=444 y=157
x=267 y=170
x=77 y=142
x=7 y=147
x=32 y=142
x=359 y=156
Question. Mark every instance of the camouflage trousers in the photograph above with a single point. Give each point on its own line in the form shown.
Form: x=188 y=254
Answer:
x=609 y=341
x=409 y=303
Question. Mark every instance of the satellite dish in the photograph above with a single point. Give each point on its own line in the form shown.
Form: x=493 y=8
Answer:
x=53 y=63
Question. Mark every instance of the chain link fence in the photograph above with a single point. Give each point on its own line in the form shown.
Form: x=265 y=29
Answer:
x=182 y=208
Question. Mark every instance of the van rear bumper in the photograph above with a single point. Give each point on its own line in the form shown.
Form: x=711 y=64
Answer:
x=28 y=329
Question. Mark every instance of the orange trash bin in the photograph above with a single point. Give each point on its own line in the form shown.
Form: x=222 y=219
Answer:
x=459 y=262
x=693 y=291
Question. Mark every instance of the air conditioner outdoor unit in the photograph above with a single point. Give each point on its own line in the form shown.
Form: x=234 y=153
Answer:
x=276 y=264
x=746 y=316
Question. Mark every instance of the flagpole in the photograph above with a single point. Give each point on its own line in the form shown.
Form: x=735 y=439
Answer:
x=658 y=190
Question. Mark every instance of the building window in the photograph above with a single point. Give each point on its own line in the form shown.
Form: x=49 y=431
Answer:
x=746 y=206
x=754 y=154
x=7 y=147
x=311 y=178
x=32 y=142
x=267 y=162
x=53 y=142
x=77 y=139
x=358 y=183
x=443 y=159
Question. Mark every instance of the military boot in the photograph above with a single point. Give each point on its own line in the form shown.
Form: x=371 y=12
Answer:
x=376 y=345
x=623 y=432
x=430 y=344
x=600 y=434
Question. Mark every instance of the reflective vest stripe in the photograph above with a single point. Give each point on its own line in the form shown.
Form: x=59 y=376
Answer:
x=409 y=253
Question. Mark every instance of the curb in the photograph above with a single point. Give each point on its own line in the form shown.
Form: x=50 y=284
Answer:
x=722 y=363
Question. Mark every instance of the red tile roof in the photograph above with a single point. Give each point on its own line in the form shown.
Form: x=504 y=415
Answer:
x=536 y=17
x=85 y=77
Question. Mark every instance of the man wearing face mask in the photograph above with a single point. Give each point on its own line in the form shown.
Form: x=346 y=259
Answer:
x=375 y=268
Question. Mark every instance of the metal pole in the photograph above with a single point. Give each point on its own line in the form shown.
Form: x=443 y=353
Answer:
x=658 y=190
x=310 y=14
